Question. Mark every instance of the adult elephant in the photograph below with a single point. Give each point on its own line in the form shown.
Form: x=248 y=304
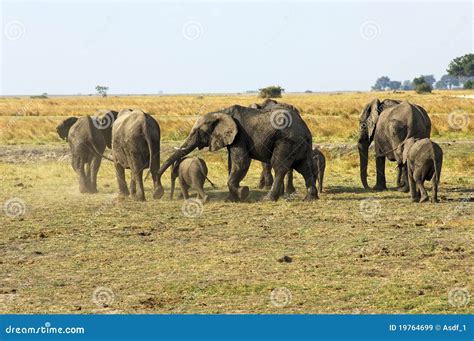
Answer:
x=278 y=136
x=266 y=177
x=388 y=124
x=136 y=146
x=87 y=138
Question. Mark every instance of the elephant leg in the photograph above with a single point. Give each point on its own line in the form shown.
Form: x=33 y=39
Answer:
x=140 y=194
x=200 y=190
x=184 y=188
x=424 y=194
x=240 y=161
x=403 y=182
x=434 y=196
x=133 y=186
x=381 y=183
x=305 y=168
x=95 y=165
x=87 y=172
x=122 y=184
x=413 y=191
x=281 y=163
x=266 y=177
x=83 y=183
x=290 y=188
x=320 y=180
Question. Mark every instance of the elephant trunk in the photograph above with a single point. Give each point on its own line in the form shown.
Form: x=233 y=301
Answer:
x=364 y=159
x=181 y=152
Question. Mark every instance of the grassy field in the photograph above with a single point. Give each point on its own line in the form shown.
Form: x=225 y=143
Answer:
x=353 y=251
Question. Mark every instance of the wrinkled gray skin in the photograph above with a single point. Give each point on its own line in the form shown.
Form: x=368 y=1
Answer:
x=192 y=173
x=266 y=177
x=248 y=134
x=136 y=140
x=319 y=166
x=87 y=138
x=424 y=159
x=388 y=124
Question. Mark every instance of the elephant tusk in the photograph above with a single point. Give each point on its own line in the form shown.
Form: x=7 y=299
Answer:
x=179 y=148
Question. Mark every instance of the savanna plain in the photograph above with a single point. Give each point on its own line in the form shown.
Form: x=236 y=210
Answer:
x=352 y=251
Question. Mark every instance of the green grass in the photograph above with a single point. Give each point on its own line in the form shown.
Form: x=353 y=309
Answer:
x=404 y=259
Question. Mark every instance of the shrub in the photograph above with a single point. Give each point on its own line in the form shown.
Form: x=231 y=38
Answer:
x=469 y=85
x=271 y=92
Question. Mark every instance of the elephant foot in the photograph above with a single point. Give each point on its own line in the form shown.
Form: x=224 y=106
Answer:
x=434 y=200
x=269 y=197
x=261 y=185
x=415 y=199
x=243 y=193
x=403 y=188
x=424 y=199
x=267 y=187
x=309 y=197
x=231 y=198
x=138 y=198
x=290 y=189
x=205 y=198
x=158 y=193
x=380 y=187
x=93 y=191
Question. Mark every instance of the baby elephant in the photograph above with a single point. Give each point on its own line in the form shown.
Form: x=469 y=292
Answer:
x=192 y=172
x=424 y=159
x=319 y=165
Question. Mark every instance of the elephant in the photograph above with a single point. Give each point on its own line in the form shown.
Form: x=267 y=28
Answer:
x=135 y=146
x=192 y=173
x=87 y=138
x=266 y=177
x=319 y=165
x=424 y=159
x=388 y=124
x=278 y=136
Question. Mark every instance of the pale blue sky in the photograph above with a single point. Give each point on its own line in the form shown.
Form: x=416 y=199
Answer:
x=68 y=47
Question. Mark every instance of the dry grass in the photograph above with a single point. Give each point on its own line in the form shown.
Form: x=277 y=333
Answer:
x=331 y=117
x=404 y=259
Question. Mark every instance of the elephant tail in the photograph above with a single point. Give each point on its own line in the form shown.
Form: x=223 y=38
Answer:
x=150 y=150
x=437 y=172
x=205 y=174
x=94 y=149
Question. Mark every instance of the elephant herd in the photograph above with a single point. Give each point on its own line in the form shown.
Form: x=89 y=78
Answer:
x=273 y=133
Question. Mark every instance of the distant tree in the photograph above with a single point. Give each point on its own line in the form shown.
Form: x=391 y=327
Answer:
x=447 y=82
x=469 y=85
x=271 y=92
x=395 y=85
x=102 y=90
x=381 y=83
x=421 y=86
x=429 y=79
x=308 y=92
x=407 y=85
x=462 y=66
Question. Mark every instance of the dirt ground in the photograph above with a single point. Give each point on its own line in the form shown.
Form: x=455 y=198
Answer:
x=352 y=251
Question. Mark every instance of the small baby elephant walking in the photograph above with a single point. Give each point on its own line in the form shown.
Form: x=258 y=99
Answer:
x=192 y=173
x=319 y=165
x=424 y=159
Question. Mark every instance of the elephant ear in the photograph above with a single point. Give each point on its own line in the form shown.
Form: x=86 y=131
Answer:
x=64 y=127
x=224 y=132
x=372 y=117
x=406 y=148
